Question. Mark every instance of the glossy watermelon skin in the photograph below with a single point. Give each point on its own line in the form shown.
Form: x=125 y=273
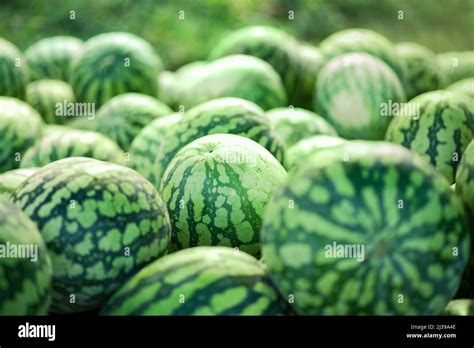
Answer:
x=352 y=92
x=46 y=95
x=460 y=307
x=199 y=281
x=10 y=180
x=439 y=129
x=379 y=196
x=222 y=115
x=216 y=189
x=14 y=73
x=51 y=57
x=112 y=64
x=146 y=144
x=311 y=61
x=72 y=143
x=464 y=86
x=101 y=223
x=25 y=284
x=456 y=65
x=15 y=138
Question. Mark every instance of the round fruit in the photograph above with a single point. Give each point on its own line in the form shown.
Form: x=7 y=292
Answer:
x=10 y=180
x=199 y=281
x=25 y=279
x=460 y=307
x=101 y=223
x=13 y=71
x=366 y=228
x=311 y=61
x=437 y=125
x=216 y=189
x=465 y=86
x=355 y=93
x=456 y=65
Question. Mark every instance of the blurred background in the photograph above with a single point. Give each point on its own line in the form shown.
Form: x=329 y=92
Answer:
x=442 y=25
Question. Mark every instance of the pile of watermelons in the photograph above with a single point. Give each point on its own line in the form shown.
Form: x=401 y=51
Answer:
x=272 y=178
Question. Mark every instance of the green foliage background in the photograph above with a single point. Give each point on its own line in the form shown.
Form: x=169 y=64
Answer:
x=442 y=25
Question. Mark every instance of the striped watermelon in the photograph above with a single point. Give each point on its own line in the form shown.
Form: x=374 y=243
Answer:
x=51 y=57
x=365 y=228
x=166 y=87
x=297 y=154
x=14 y=72
x=101 y=223
x=20 y=126
x=199 y=281
x=465 y=86
x=456 y=65
x=112 y=64
x=294 y=124
x=438 y=125
x=272 y=45
x=421 y=67
x=311 y=61
x=124 y=116
x=460 y=307
x=10 y=180
x=145 y=146
x=46 y=96
x=216 y=189
x=72 y=143
x=354 y=91
x=25 y=282
x=237 y=76
x=223 y=115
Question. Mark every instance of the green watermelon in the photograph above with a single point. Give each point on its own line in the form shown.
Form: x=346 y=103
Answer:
x=166 y=87
x=272 y=45
x=10 y=180
x=354 y=92
x=199 y=281
x=20 y=127
x=456 y=65
x=366 y=41
x=460 y=307
x=311 y=61
x=72 y=143
x=101 y=223
x=25 y=279
x=422 y=71
x=51 y=57
x=216 y=189
x=124 y=116
x=465 y=86
x=14 y=73
x=223 y=115
x=237 y=76
x=114 y=63
x=365 y=228
x=437 y=125
x=145 y=146
x=294 y=124
x=48 y=96
x=179 y=82
x=297 y=154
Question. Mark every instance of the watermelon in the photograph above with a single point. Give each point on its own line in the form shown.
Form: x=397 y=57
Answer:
x=465 y=86
x=422 y=71
x=166 y=87
x=20 y=126
x=25 y=279
x=47 y=97
x=51 y=57
x=199 y=281
x=366 y=41
x=437 y=125
x=365 y=228
x=101 y=223
x=10 y=180
x=179 y=81
x=294 y=124
x=14 y=73
x=216 y=189
x=456 y=65
x=298 y=153
x=124 y=116
x=237 y=76
x=460 y=307
x=311 y=61
x=145 y=146
x=273 y=45
x=222 y=115
x=72 y=143
x=354 y=92
x=114 y=63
